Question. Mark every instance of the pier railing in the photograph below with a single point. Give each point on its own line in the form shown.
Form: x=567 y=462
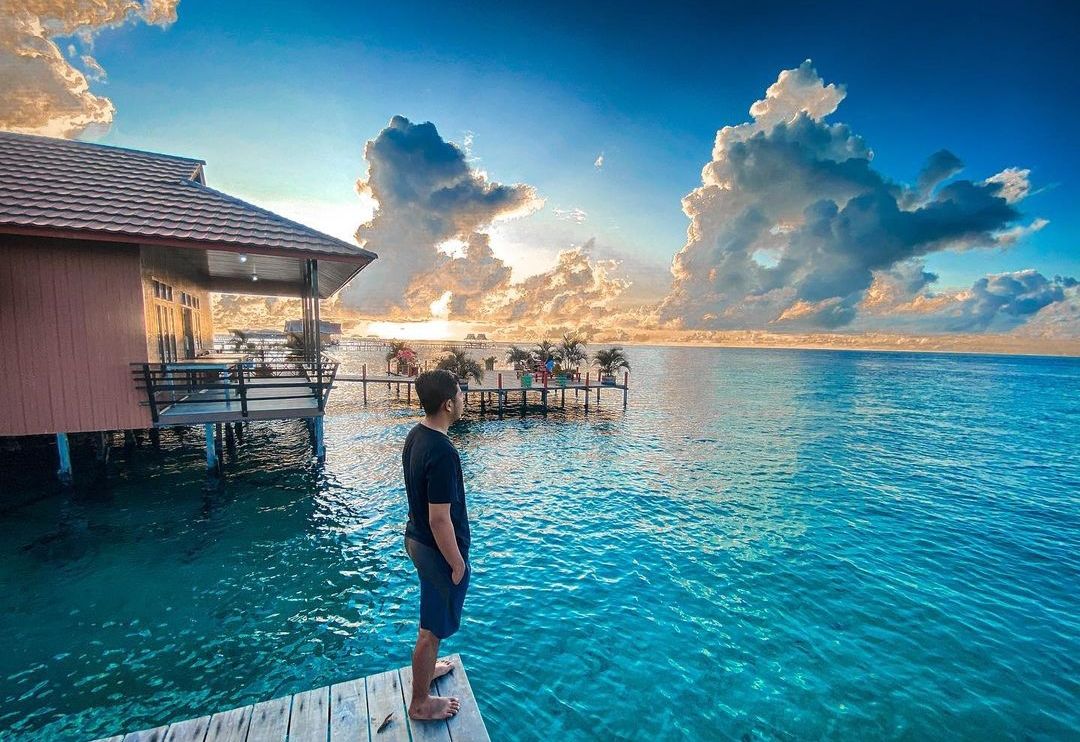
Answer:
x=257 y=385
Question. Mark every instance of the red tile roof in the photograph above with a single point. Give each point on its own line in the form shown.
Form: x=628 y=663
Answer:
x=71 y=186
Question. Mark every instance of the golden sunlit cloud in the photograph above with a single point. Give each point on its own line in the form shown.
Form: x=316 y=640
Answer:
x=441 y=307
x=40 y=91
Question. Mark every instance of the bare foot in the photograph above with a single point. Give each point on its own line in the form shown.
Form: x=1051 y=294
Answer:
x=433 y=708
x=442 y=667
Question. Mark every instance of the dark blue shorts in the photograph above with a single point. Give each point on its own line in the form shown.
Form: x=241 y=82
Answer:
x=440 y=599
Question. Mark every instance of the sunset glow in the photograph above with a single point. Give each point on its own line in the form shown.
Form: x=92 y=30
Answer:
x=538 y=190
x=436 y=329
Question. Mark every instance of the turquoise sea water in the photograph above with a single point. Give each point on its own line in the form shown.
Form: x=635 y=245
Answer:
x=767 y=544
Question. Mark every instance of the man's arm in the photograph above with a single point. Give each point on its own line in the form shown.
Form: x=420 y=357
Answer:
x=443 y=530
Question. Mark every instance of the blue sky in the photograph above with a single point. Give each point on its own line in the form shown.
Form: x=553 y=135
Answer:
x=280 y=98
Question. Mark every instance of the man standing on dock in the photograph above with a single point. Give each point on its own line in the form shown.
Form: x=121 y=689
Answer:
x=437 y=534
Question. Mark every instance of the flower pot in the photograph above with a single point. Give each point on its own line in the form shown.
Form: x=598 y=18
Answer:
x=607 y=380
x=463 y=383
x=526 y=381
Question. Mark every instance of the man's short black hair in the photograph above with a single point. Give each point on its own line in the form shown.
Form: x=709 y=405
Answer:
x=434 y=388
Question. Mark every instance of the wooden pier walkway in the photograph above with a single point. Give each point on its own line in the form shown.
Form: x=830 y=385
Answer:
x=371 y=709
x=505 y=396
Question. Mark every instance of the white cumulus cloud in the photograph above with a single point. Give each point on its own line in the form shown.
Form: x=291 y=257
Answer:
x=792 y=225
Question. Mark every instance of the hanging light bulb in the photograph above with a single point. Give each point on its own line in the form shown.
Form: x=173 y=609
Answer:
x=243 y=258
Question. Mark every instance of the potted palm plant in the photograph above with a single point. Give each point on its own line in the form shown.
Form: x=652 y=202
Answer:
x=241 y=344
x=544 y=350
x=240 y=341
x=571 y=352
x=458 y=362
x=518 y=358
x=609 y=361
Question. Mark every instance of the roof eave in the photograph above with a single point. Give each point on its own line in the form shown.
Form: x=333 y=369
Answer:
x=362 y=256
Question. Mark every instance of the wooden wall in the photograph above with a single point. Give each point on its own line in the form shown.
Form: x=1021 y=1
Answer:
x=186 y=271
x=71 y=320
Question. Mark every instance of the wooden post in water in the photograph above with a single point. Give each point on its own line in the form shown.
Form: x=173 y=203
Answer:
x=625 y=386
x=586 y=391
x=211 y=449
x=230 y=441
x=408 y=394
x=544 y=393
x=63 y=451
x=101 y=447
x=320 y=445
x=364 y=379
x=500 y=396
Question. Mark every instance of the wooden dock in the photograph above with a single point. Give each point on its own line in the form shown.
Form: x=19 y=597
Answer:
x=505 y=396
x=371 y=709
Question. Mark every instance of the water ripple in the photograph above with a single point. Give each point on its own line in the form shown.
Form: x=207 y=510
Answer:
x=765 y=545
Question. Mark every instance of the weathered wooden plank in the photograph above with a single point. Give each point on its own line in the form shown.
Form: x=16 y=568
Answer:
x=351 y=711
x=422 y=731
x=192 y=730
x=230 y=726
x=270 y=720
x=310 y=716
x=467 y=725
x=348 y=712
x=148 y=735
x=386 y=705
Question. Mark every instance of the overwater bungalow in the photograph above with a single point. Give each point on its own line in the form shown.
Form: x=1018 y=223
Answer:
x=108 y=257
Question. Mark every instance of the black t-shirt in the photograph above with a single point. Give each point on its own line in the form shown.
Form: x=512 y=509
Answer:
x=433 y=475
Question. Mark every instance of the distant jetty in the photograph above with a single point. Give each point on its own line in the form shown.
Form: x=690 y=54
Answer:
x=510 y=393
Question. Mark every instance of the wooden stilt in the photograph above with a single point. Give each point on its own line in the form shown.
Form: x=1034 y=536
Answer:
x=101 y=447
x=155 y=438
x=625 y=386
x=63 y=452
x=365 y=383
x=230 y=441
x=586 y=391
x=238 y=430
x=211 y=449
x=320 y=445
